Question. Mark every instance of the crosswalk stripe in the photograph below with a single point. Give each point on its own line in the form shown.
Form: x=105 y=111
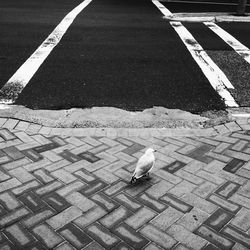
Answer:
x=241 y=49
x=215 y=76
x=20 y=79
x=163 y=9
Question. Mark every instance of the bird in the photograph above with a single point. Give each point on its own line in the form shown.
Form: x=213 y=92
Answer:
x=144 y=165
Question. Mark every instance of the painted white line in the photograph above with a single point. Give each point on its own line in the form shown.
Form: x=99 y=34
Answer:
x=23 y=75
x=215 y=76
x=241 y=49
x=244 y=115
x=163 y=9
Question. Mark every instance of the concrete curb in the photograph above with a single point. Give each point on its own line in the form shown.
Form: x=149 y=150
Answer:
x=31 y=128
x=207 y=17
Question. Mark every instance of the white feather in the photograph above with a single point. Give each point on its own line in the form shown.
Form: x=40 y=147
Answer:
x=145 y=164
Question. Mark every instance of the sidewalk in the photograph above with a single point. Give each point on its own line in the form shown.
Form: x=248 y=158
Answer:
x=69 y=188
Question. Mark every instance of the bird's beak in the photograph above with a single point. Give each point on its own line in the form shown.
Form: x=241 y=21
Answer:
x=155 y=150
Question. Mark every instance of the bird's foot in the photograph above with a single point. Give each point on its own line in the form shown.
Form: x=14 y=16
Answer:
x=133 y=180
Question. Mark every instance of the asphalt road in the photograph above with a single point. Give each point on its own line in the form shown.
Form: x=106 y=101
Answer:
x=118 y=53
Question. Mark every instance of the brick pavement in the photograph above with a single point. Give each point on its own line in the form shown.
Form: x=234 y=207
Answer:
x=69 y=189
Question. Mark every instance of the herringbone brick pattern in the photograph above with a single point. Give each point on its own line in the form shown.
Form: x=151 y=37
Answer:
x=62 y=192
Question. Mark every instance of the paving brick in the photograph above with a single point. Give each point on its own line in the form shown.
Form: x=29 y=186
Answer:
x=140 y=218
x=214 y=166
x=56 y=201
x=6 y=144
x=107 y=157
x=93 y=142
x=123 y=174
x=51 y=156
x=124 y=141
x=166 y=218
x=205 y=189
x=75 y=141
x=125 y=157
x=115 y=166
x=227 y=189
x=122 y=246
x=152 y=246
x=234 y=165
x=72 y=187
x=103 y=236
x=174 y=167
x=128 y=201
x=238 y=155
x=245 y=190
x=7 y=246
x=88 y=156
x=6 y=134
x=75 y=236
x=218 y=219
x=4 y=159
x=130 y=236
x=85 y=176
x=65 y=246
x=46 y=147
x=25 y=187
x=66 y=154
x=182 y=188
x=38 y=217
x=95 y=166
x=181 y=157
x=115 y=217
x=2 y=121
x=152 y=203
x=231 y=177
x=48 y=188
x=186 y=149
x=168 y=177
x=37 y=165
x=227 y=205
x=102 y=200
x=159 y=189
x=64 y=217
x=241 y=200
x=196 y=201
x=8 y=184
x=176 y=203
x=32 y=201
x=214 y=237
x=68 y=148
x=43 y=176
x=57 y=165
x=106 y=176
x=233 y=126
x=158 y=236
x=115 y=188
x=21 y=174
x=80 y=201
x=207 y=141
x=33 y=129
x=187 y=238
x=3 y=176
x=244 y=173
x=63 y=176
x=41 y=139
x=133 y=149
x=9 y=201
x=193 y=219
x=237 y=235
x=16 y=164
x=241 y=220
x=27 y=145
x=32 y=155
x=210 y=177
x=98 y=149
x=13 y=217
x=47 y=235
x=13 y=153
x=89 y=217
x=17 y=234
x=93 y=187
x=94 y=246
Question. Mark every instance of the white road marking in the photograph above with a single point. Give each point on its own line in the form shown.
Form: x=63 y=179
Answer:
x=163 y=9
x=23 y=75
x=215 y=76
x=241 y=49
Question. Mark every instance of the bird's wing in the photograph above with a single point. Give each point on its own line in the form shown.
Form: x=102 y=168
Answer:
x=143 y=166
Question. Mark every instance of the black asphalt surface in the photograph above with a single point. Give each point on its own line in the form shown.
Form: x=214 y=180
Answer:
x=197 y=6
x=120 y=53
x=24 y=24
x=241 y=31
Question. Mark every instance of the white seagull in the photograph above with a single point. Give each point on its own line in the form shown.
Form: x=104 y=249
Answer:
x=144 y=165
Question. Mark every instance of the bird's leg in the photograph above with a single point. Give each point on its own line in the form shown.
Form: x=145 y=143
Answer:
x=133 y=180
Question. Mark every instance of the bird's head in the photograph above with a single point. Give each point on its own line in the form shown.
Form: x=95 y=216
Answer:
x=150 y=151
